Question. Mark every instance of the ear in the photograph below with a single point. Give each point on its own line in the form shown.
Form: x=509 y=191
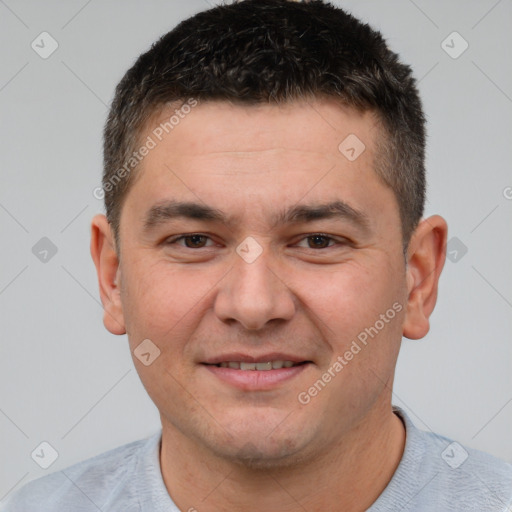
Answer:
x=109 y=276
x=425 y=260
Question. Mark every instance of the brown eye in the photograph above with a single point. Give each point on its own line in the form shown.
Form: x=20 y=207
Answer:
x=195 y=241
x=192 y=241
x=318 y=241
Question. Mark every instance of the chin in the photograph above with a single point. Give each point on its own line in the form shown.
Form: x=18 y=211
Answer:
x=253 y=437
x=252 y=457
x=263 y=449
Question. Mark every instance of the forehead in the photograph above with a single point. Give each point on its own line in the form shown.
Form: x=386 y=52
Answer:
x=317 y=125
x=271 y=156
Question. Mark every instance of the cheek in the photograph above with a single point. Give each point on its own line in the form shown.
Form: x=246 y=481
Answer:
x=352 y=297
x=160 y=300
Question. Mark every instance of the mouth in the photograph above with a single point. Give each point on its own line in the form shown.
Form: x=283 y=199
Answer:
x=262 y=366
x=256 y=374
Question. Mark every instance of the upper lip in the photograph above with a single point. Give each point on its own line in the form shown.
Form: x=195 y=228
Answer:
x=245 y=358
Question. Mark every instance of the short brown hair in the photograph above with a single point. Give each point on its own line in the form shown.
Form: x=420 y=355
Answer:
x=272 y=51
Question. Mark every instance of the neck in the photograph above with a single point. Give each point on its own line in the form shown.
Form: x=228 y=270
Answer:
x=348 y=476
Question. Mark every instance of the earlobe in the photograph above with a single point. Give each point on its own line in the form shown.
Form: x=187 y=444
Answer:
x=425 y=261
x=108 y=271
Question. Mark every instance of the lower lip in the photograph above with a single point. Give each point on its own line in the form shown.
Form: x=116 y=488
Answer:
x=255 y=380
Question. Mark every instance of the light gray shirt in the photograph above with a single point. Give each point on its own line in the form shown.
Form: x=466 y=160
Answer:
x=435 y=474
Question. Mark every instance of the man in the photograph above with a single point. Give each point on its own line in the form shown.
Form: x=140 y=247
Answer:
x=264 y=250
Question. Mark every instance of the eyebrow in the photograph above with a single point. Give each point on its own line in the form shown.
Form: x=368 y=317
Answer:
x=171 y=210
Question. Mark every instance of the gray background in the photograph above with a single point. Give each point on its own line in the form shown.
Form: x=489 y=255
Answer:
x=66 y=380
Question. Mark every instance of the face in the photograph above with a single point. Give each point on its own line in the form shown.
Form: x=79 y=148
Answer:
x=261 y=271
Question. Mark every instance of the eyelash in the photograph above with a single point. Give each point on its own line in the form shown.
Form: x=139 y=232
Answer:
x=174 y=241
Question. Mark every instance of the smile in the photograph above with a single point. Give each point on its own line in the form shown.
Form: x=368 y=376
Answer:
x=257 y=375
x=258 y=366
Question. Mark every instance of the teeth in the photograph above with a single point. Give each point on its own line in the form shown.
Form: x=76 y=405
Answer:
x=265 y=366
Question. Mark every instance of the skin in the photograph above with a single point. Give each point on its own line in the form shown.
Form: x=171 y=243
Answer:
x=224 y=448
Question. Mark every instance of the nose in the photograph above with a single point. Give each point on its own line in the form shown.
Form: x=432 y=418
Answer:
x=254 y=294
